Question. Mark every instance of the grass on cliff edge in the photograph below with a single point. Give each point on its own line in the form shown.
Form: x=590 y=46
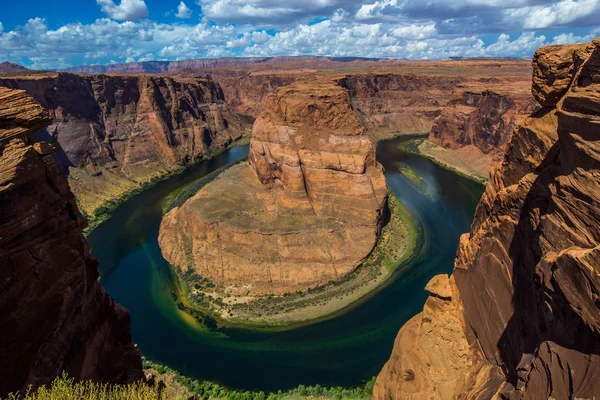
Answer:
x=171 y=385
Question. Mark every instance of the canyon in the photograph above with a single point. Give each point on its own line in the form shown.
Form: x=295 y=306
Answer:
x=304 y=210
x=519 y=316
x=468 y=107
x=122 y=131
x=118 y=132
x=471 y=132
x=54 y=314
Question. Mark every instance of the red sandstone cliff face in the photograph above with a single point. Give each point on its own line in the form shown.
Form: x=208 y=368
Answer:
x=527 y=277
x=394 y=103
x=477 y=123
x=118 y=131
x=482 y=118
x=54 y=315
x=247 y=94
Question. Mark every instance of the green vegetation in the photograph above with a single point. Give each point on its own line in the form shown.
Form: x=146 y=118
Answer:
x=178 y=197
x=65 y=388
x=412 y=176
x=196 y=296
x=103 y=212
x=171 y=385
x=209 y=390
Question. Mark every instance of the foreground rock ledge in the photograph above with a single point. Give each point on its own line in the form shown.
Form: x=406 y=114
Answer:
x=54 y=315
x=305 y=210
x=523 y=317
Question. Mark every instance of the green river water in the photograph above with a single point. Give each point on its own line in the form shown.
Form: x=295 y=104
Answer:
x=345 y=350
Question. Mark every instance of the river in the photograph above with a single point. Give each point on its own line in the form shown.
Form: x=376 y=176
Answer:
x=345 y=350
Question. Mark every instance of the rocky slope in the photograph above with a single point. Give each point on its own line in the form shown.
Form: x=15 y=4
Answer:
x=304 y=210
x=117 y=132
x=477 y=123
x=521 y=319
x=54 y=315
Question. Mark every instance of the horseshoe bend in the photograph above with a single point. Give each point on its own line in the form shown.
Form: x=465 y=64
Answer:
x=305 y=210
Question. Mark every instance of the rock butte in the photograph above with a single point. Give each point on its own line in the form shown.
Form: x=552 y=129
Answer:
x=304 y=210
x=523 y=318
x=54 y=315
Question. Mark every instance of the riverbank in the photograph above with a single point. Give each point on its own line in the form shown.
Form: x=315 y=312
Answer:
x=396 y=245
x=464 y=162
x=103 y=212
x=168 y=384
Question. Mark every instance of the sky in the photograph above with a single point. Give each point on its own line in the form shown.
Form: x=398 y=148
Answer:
x=54 y=34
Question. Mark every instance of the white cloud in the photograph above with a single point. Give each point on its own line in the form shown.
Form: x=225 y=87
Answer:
x=430 y=29
x=555 y=15
x=1 y=27
x=183 y=11
x=127 y=10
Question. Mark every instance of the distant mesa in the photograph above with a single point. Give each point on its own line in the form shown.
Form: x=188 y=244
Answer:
x=8 y=67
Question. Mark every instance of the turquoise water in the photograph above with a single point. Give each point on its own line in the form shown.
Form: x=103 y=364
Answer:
x=345 y=350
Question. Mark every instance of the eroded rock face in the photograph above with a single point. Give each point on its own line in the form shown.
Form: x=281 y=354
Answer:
x=399 y=103
x=118 y=131
x=247 y=94
x=304 y=210
x=54 y=315
x=479 y=119
x=528 y=274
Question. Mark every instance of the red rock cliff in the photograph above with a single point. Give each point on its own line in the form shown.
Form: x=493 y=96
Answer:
x=520 y=316
x=54 y=315
x=118 y=131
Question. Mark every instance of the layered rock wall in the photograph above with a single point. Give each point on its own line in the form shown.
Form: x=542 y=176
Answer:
x=399 y=103
x=54 y=315
x=528 y=274
x=119 y=131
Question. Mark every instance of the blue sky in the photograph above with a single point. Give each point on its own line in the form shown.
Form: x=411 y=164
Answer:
x=61 y=33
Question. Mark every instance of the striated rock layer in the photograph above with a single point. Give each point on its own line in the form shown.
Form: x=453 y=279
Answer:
x=399 y=103
x=305 y=210
x=477 y=123
x=54 y=315
x=119 y=131
x=527 y=277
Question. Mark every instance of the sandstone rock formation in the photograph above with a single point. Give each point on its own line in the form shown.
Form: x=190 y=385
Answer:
x=478 y=121
x=399 y=103
x=54 y=315
x=119 y=131
x=527 y=277
x=247 y=94
x=305 y=209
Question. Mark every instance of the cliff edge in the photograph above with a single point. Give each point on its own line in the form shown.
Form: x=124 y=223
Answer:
x=520 y=317
x=54 y=315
